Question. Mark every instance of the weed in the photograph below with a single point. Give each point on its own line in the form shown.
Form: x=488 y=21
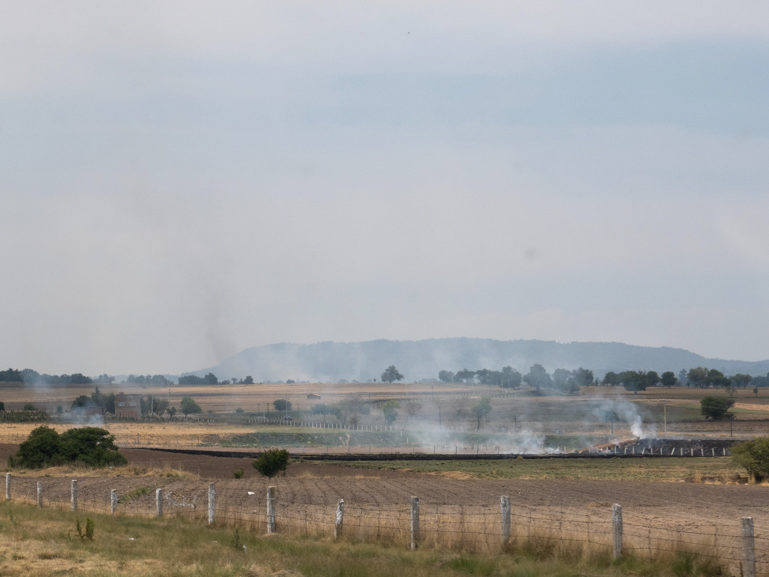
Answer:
x=89 y=528
x=238 y=474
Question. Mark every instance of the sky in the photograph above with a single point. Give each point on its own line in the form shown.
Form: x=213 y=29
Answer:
x=184 y=180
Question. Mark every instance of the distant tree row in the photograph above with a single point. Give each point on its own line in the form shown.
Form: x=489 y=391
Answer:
x=697 y=377
x=31 y=377
x=561 y=380
x=564 y=380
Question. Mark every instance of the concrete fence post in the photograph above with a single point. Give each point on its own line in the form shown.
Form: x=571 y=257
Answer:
x=504 y=511
x=211 y=502
x=158 y=502
x=748 y=548
x=270 y=510
x=616 y=521
x=113 y=501
x=39 y=497
x=73 y=494
x=339 y=521
x=414 y=523
x=7 y=486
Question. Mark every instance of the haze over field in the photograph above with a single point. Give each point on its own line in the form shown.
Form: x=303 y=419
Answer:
x=184 y=180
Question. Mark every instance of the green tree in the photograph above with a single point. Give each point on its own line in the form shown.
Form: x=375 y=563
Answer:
x=741 y=380
x=446 y=376
x=389 y=410
x=41 y=449
x=92 y=446
x=271 y=462
x=480 y=410
x=88 y=445
x=697 y=377
x=715 y=408
x=538 y=377
x=2 y=406
x=189 y=406
x=391 y=375
x=753 y=455
x=668 y=379
x=282 y=404
x=583 y=377
x=511 y=378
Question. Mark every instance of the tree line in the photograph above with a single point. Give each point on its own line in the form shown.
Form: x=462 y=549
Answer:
x=32 y=377
x=569 y=381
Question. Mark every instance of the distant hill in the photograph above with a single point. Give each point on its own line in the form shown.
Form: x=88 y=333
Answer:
x=365 y=361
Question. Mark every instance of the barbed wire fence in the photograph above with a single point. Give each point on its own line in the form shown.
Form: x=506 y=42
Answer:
x=739 y=546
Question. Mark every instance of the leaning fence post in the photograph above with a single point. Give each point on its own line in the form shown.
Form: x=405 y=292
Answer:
x=504 y=511
x=270 y=510
x=113 y=501
x=39 y=498
x=7 y=486
x=339 y=523
x=748 y=548
x=158 y=502
x=616 y=518
x=414 y=522
x=73 y=494
x=211 y=502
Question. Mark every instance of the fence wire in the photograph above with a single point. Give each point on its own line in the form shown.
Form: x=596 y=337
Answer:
x=476 y=528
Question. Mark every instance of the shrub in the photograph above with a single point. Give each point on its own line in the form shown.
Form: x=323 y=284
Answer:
x=753 y=456
x=715 y=408
x=88 y=445
x=271 y=462
x=282 y=405
x=41 y=449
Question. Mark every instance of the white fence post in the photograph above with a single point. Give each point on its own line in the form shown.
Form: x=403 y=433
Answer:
x=339 y=522
x=113 y=501
x=7 y=486
x=504 y=511
x=414 y=522
x=211 y=502
x=158 y=502
x=616 y=518
x=270 y=510
x=39 y=497
x=73 y=494
x=748 y=548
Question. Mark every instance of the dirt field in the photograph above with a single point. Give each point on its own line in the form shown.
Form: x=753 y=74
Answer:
x=656 y=514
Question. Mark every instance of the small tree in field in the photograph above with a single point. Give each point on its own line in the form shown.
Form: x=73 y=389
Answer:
x=271 y=462
x=753 y=456
x=715 y=408
x=189 y=406
x=391 y=374
x=282 y=404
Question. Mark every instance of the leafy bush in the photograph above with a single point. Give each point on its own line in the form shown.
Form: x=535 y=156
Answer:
x=282 y=405
x=715 y=408
x=753 y=456
x=88 y=445
x=89 y=527
x=271 y=462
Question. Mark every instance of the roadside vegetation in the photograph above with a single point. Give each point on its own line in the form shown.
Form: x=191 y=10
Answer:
x=41 y=542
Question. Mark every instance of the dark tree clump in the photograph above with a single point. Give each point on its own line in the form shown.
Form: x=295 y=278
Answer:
x=271 y=462
x=45 y=447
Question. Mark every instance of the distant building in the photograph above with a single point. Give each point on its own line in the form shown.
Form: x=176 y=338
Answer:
x=128 y=406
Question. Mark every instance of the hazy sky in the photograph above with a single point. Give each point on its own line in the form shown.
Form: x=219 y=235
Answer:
x=183 y=180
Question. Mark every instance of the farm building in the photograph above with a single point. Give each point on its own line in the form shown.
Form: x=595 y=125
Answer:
x=128 y=406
